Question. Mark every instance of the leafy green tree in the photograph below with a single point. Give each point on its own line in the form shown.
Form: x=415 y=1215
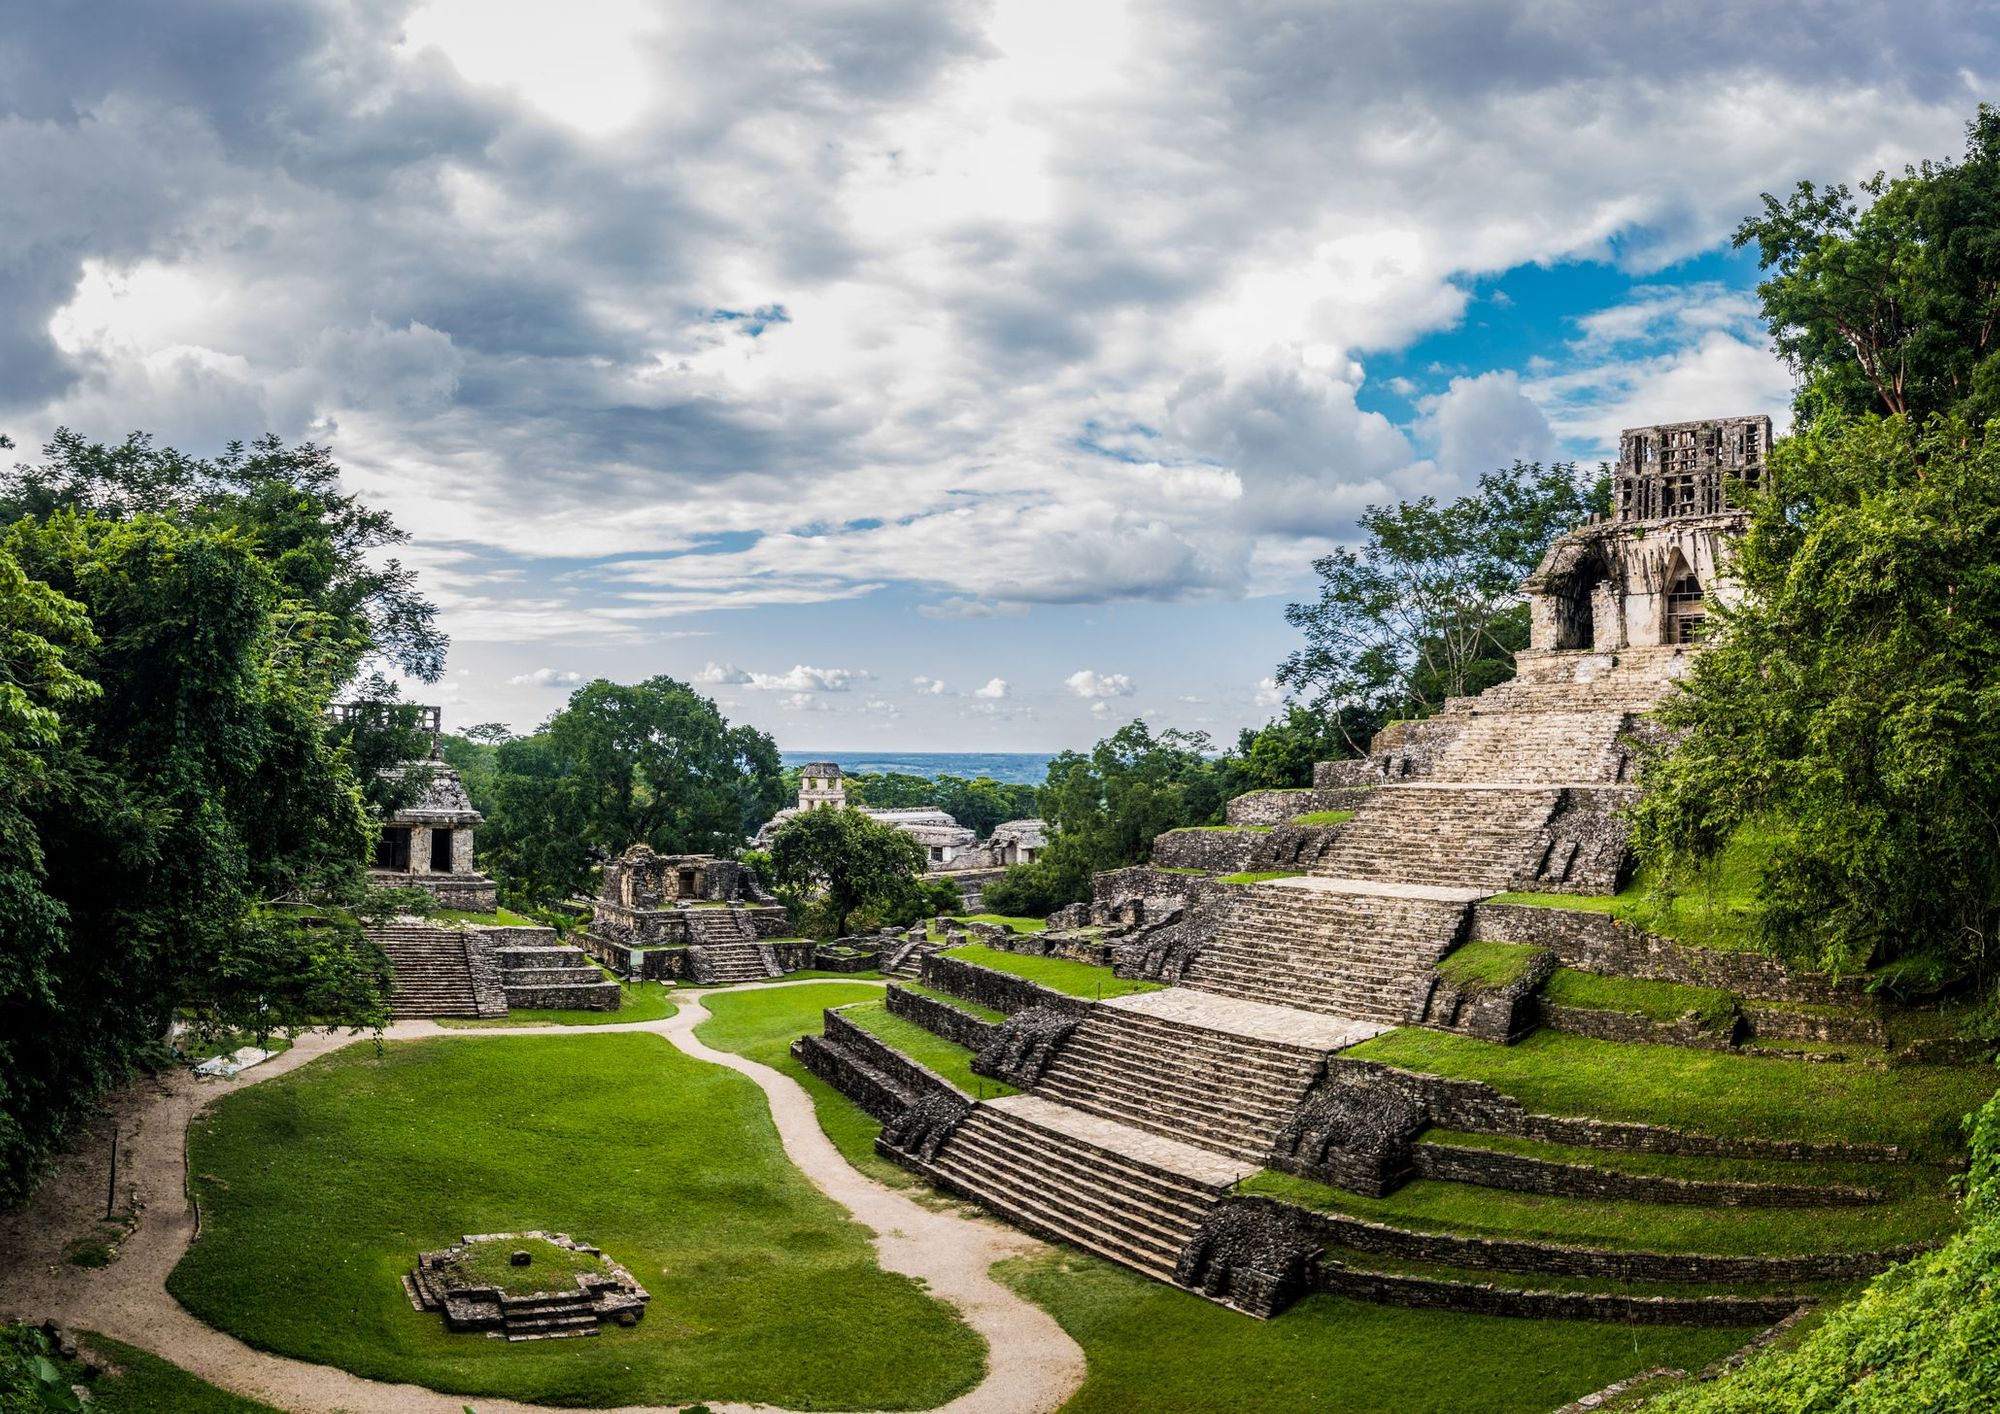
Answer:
x=981 y=803
x=890 y=790
x=1429 y=606
x=1281 y=754
x=1895 y=307
x=1851 y=704
x=845 y=861
x=651 y=763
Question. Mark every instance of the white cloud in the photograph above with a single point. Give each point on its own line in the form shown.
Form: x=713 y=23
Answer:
x=995 y=688
x=1484 y=423
x=714 y=672
x=804 y=702
x=929 y=686
x=803 y=678
x=1087 y=683
x=547 y=677
x=1268 y=693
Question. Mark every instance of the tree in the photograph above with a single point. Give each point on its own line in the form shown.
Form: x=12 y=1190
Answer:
x=1429 y=607
x=1281 y=754
x=651 y=763
x=1895 y=308
x=1851 y=704
x=845 y=860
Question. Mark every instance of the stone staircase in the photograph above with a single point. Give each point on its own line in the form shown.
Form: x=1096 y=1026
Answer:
x=432 y=976
x=1121 y=1193
x=1223 y=1092
x=525 y=971
x=1334 y=946
x=906 y=959
x=547 y=1317
x=709 y=926
x=720 y=964
x=1536 y=748
x=1448 y=836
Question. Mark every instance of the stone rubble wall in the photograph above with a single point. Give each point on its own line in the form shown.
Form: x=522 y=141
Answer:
x=912 y=1076
x=1391 y=1289
x=1002 y=991
x=1278 y=807
x=1506 y=1254
x=482 y=961
x=1522 y=1173
x=1633 y=1028
x=942 y=1018
x=1596 y=942
x=1213 y=851
x=1474 y=1107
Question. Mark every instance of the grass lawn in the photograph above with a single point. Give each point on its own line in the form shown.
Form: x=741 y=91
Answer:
x=1152 y=1348
x=1917 y=1107
x=947 y=1058
x=1059 y=974
x=319 y=1188
x=1006 y=920
x=1251 y=877
x=500 y=917
x=1431 y=1206
x=642 y=1001
x=760 y=1025
x=146 y=1384
x=1657 y=1001
x=1489 y=966
x=1323 y=817
x=1720 y=912
x=984 y=1013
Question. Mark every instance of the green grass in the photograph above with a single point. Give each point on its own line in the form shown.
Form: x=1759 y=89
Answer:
x=984 y=1013
x=550 y=1268
x=1917 y=1107
x=1428 y=1205
x=1721 y=912
x=641 y=1001
x=1656 y=1001
x=1323 y=817
x=760 y=1024
x=146 y=1384
x=319 y=1188
x=500 y=917
x=1222 y=829
x=947 y=1058
x=1058 y=974
x=1006 y=920
x=1489 y=966
x=1153 y=1348
x=1252 y=877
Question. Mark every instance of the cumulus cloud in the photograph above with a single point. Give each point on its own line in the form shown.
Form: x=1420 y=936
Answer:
x=547 y=677
x=1480 y=424
x=995 y=689
x=929 y=686
x=1089 y=684
x=1268 y=693
x=722 y=673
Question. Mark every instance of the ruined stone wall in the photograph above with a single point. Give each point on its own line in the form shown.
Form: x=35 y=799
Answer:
x=1277 y=807
x=942 y=1018
x=1001 y=991
x=1215 y=851
x=1596 y=942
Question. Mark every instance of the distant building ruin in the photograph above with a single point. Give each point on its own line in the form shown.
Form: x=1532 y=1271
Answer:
x=428 y=844
x=822 y=786
x=1645 y=576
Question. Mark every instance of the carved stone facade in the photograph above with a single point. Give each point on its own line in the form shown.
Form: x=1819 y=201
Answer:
x=653 y=901
x=1644 y=577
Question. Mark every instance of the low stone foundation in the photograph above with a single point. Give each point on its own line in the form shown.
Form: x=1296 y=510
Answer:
x=1636 y=1029
x=1279 y=807
x=1002 y=991
x=1478 y=1298
x=1521 y=1173
x=941 y=1018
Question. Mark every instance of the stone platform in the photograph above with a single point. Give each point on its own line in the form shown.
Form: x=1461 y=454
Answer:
x=1255 y=1021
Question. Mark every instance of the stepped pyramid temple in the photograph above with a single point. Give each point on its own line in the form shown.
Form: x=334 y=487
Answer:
x=1138 y=1113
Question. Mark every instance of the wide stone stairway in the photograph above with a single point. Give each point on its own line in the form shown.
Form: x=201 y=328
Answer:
x=1456 y=836
x=1218 y=1074
x=720 y=964
x=433 y=976
x=1121 y=1192
x=1347 y=947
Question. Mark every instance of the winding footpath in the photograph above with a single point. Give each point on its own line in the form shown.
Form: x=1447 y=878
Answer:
x=1032 y=1365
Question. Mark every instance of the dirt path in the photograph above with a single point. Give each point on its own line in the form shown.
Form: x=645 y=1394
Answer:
x=1032 y=1364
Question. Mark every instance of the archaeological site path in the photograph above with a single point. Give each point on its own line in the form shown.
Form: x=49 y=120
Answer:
x=1033 y=1366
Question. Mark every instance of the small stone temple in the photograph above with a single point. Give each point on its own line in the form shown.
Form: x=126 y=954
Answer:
x=1643 y=577
x=429 y=842
x=685 y=916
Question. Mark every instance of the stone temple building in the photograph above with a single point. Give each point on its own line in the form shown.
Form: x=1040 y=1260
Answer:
x=822 y=786
x=1642 y=577
x=686 y=916
x=429 y=843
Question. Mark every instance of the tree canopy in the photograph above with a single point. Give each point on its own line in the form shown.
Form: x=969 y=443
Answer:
x=181 y=837
x=1893 y=307
x=845 y=861
x=1852 y=703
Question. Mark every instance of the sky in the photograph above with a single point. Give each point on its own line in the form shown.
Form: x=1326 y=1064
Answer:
x=912 y=374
